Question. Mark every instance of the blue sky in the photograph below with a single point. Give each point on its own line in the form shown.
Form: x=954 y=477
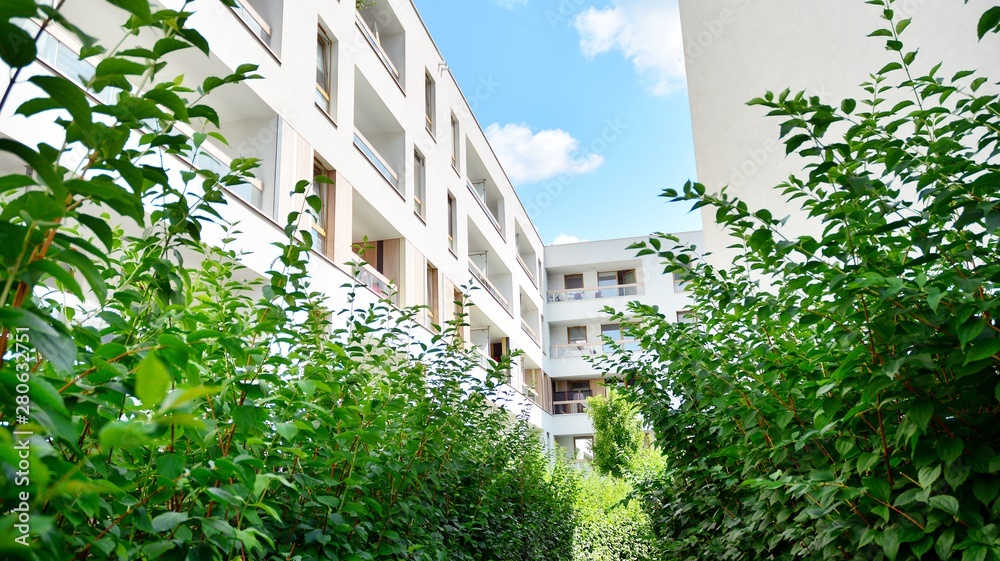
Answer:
x=585 y=104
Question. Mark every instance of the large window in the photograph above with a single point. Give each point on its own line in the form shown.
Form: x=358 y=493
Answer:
x=324 y=70
x=576 y=335
x=429 y=102
x=617 y=283
x=419 y=184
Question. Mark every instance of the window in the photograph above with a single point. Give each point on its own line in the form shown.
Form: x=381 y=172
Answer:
x=432 y=293
x=455 y=142
x=319 y=225
x=618 y=283
x=576 y=335
x=324 y=65
x=573 y=282
x=680 y=285
x=583 y=448
x=612 y=330
x=452 y=224
x=429 y=102
x=685 y=316
x=419 y=184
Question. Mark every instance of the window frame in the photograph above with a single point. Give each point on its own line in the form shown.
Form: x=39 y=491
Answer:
x=429 y=102
x=324 y=49
x=455 y=143
x=419 y=185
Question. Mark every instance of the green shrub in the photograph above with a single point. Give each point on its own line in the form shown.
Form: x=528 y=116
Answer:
x=849 y=410
x=187 y=413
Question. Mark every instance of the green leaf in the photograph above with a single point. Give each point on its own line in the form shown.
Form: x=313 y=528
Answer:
x=949 y=449
x=62 y=276
x=890 y=543
x=17 y=9
x=115 y=66
x=66 y=93
x=928 y=475
x=151 y=381
x=121 y=434
x=946 y=503
x=138 y=8
x=975 y=553
x=86 y=268
x=100 y=229
x=986 y=489
x=920 y=414
x=989 y=22
x=981 y=350
x=970 y=330
x=168 y=521
x=877 y=488
x=287 y=430
x=170 y=466
x=944 y=543
x=17 y=47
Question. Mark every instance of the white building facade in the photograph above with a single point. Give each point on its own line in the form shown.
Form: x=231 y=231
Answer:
x=736 y=50
x=364 y=97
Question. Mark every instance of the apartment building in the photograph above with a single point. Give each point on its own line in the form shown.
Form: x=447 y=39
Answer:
x=364 y=97
x=583 y=279
x=733 y=54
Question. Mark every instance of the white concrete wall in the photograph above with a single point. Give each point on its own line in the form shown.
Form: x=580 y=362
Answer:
x=736 y=50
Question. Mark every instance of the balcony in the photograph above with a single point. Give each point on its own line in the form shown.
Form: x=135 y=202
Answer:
x=253 y=20
x=531 y=332
x=531 y=274
x=570 y=402
x=588 y=349
x=611 y=291
x=484 y=281
x=376 y=159
x=480 y=198
x=386 y=36
x=576 y=349
x=377 y=283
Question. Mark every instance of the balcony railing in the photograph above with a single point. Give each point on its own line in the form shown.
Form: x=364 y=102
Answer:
x=531 y=332
x=383 y=167
x=485 y=282
x=377 y=45
x=377 y=283
x=569 y=403
x=486 y=209
x=612 y=291
x=531 y=274
x=576 y=349
x=257 y=24
x=589 y=349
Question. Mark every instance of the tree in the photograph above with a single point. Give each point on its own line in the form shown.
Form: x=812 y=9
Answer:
x=849 y=410
x=617 y=433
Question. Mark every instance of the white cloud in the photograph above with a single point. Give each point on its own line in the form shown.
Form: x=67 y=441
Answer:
x=563 y=239
x=529 y=157
x=511 y=4
x=646 y=32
